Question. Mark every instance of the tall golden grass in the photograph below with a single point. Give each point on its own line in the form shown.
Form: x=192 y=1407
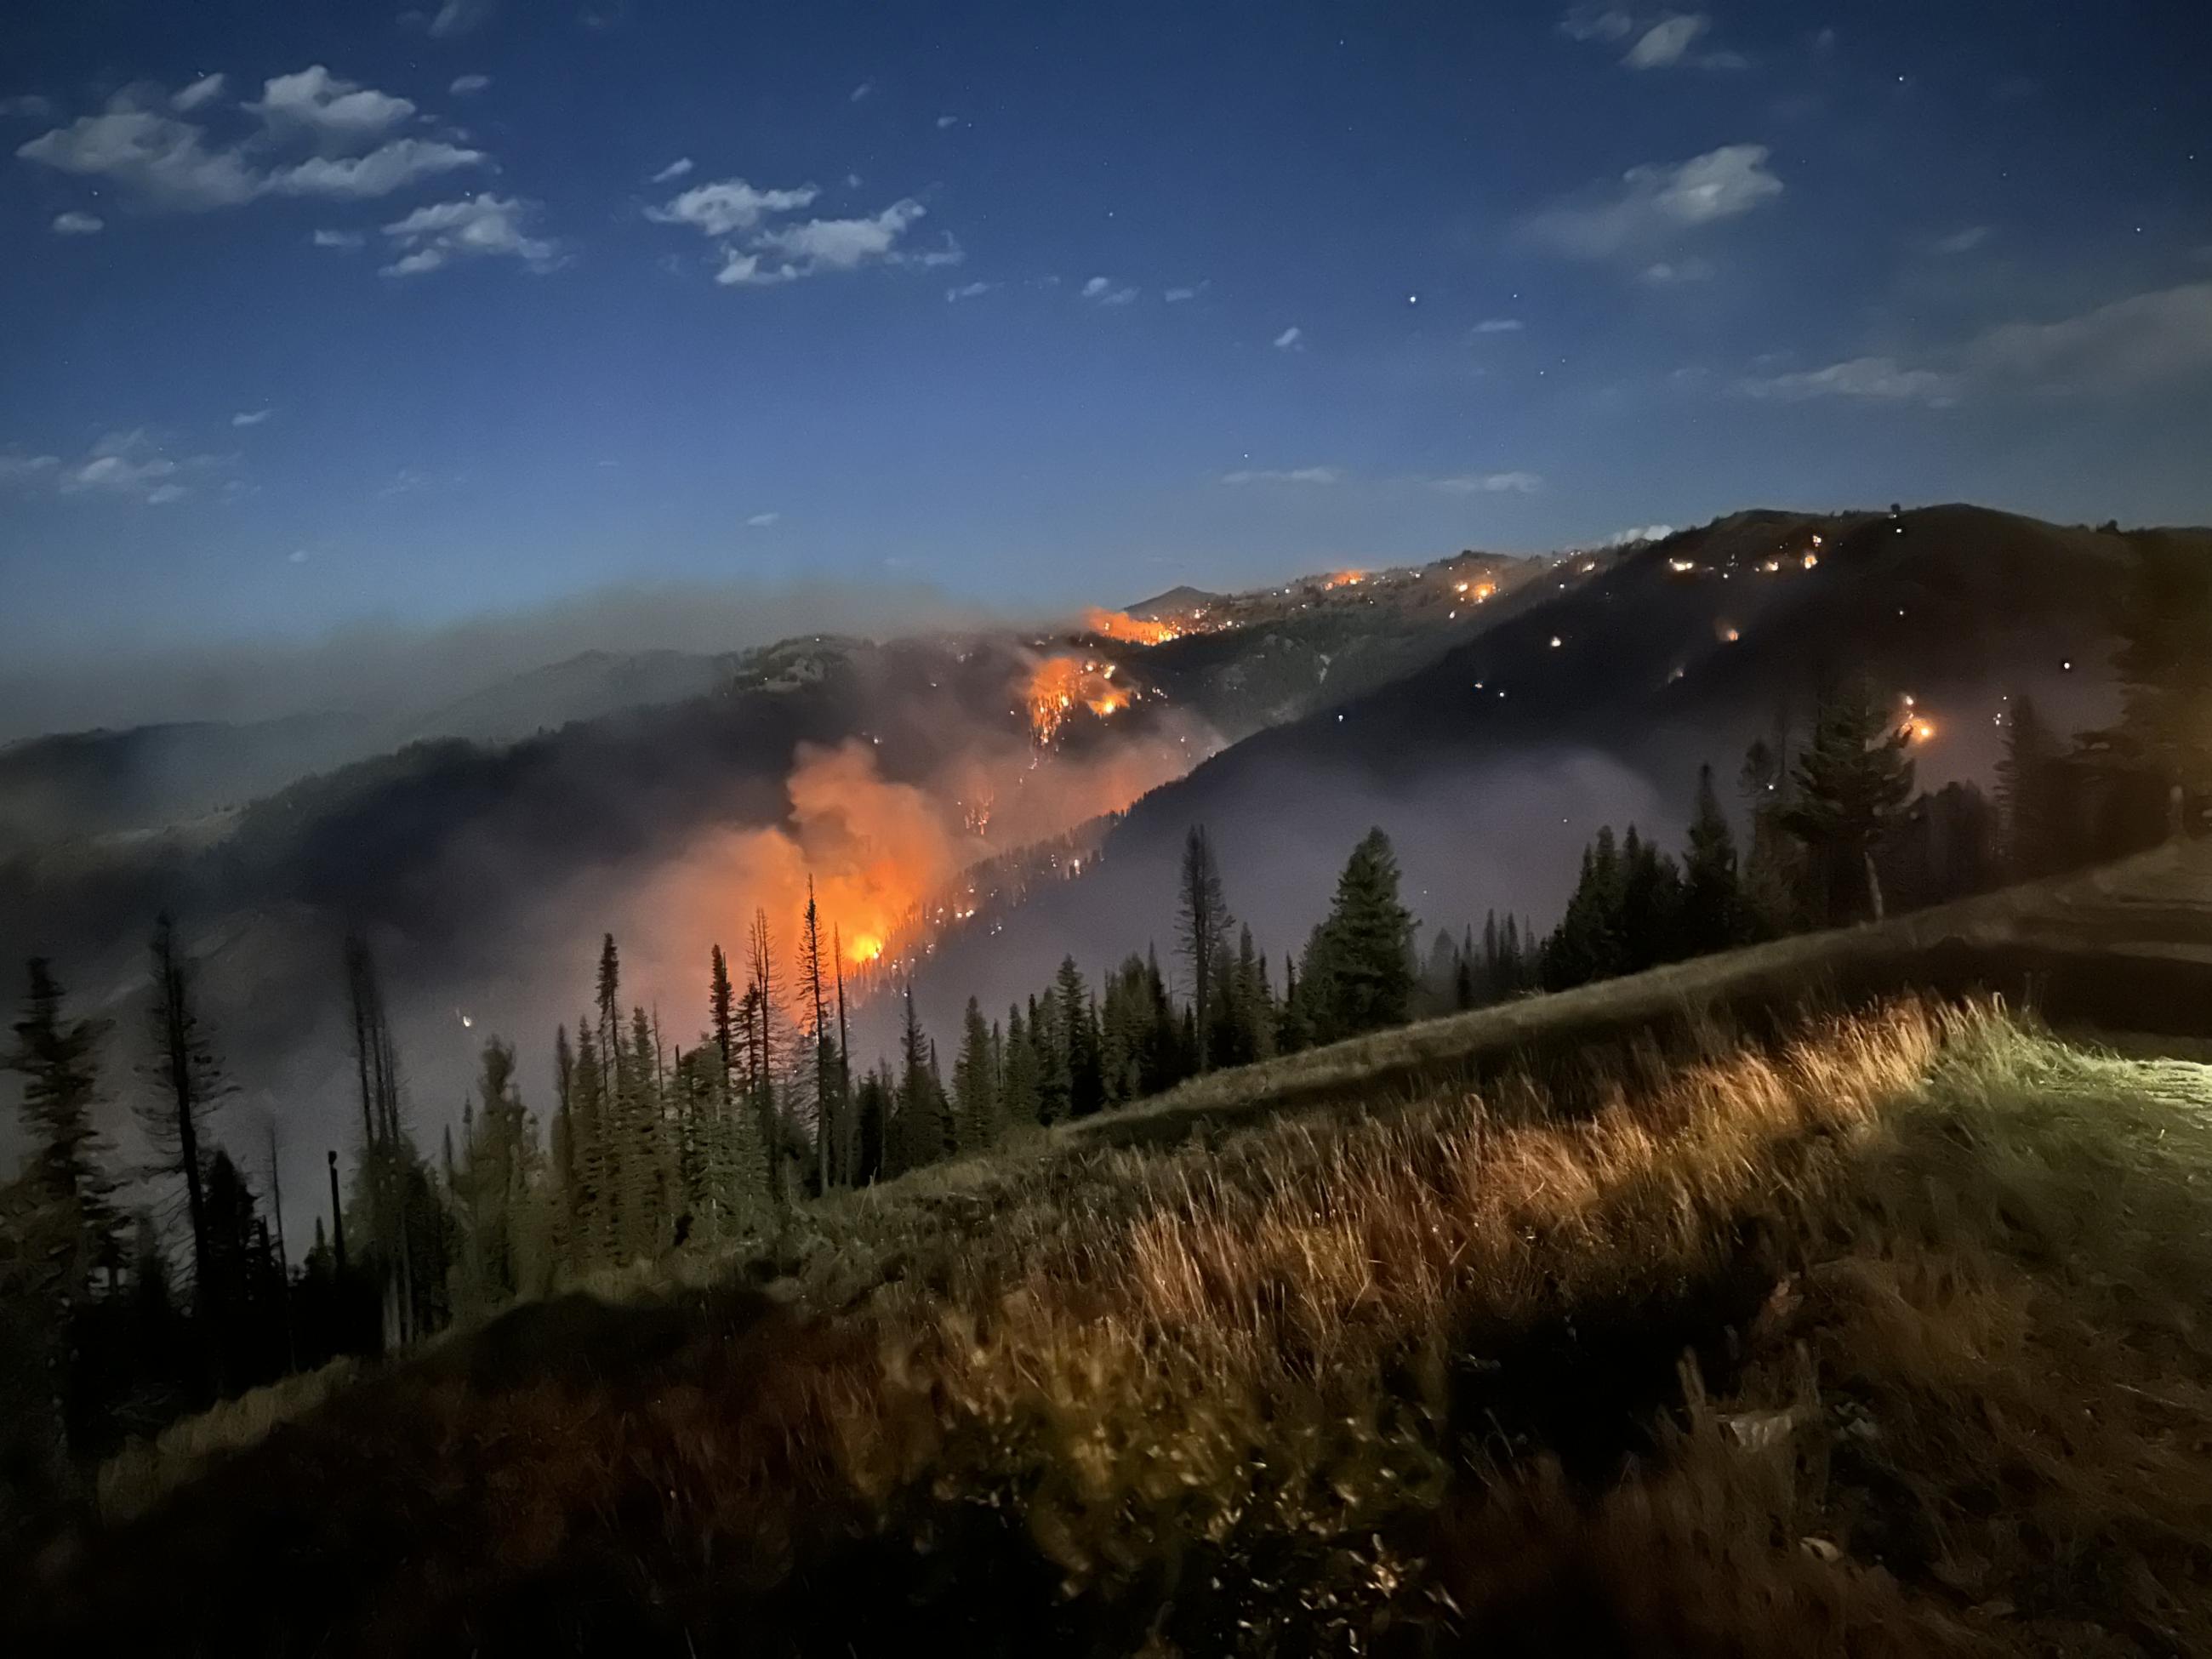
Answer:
x=1886 y=1337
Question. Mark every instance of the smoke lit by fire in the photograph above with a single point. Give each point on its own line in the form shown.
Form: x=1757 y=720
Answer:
x=1344 y=579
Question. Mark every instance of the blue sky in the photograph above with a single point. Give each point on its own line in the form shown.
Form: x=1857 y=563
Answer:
x=322 y=313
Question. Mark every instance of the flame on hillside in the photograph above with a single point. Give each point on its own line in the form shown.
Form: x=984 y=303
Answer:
x=891 y=862
x=1131 y=630
x=1343 y=579
x=1061 y=685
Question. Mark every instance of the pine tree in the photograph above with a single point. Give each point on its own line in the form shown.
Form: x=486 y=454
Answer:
x=1076 y=1043
x=593 y=1225
x=1018 y=1089
x=1587 y=945
x=2028 y=800
x=1712 y=900
x=389 y=1192
x=1651 y=904
x=812 y=974
x=1203 y=920
x=66 y=1231
x=184 y=1068
x=975 y=1084
x=1850 y=780
x=2164 y=668
x=1359 y=971
x=762 y=995
x=924 y=1131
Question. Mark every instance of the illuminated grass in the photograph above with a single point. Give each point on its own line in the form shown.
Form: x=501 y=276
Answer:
x=1883 y=1336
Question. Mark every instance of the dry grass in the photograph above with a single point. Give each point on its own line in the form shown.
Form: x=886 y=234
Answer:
x=145 y=1470
x=1882 y=1338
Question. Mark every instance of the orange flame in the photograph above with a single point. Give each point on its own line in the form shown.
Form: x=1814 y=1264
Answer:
x=1130 y=630
x=1061 y=685
x=1344 y=579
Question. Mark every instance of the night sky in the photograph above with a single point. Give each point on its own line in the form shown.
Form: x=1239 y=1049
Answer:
x=321 y=313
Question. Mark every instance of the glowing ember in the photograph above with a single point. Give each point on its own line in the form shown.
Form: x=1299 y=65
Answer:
x=1812 y=559
x=1344 y=579
x=1130 y=630
x=1920 y=730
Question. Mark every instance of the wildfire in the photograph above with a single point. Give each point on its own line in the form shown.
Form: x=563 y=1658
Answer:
x=1344 y=579
x=1920 y=730
x=1128 y=629
x=864 y=947
x=1476 y=591
x=1061 y=685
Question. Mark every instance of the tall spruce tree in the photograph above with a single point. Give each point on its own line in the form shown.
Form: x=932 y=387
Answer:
x=65 y=1231
x=1203 y=923
x=975 y=1084
x=1712 y=898
x=1362 y=970
x=1851 y=782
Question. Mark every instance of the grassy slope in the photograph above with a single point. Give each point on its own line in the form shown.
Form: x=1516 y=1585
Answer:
x=1879 y=1336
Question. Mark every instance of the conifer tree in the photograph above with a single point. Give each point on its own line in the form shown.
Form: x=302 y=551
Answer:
x=1851 y=781
x=68 y=1227
x=1712 y=900
x=763 y=993
x=924 y=1119
x=184 y=1068
x=975 y=1084
x=1359 y=971
x=1018 y=1090
x=2163 y=667
x=1203 y=921
x=813 y=974
x=2028 y=800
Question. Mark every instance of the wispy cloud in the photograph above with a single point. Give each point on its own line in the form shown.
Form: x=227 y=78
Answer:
x=675 y=169
x=1878 y=380
x=78 y=224
x=1175 y=296
x=861 y=94
x=1597 y=22
x=1656 y=205
x=251 y=416
x=452 y=19
x=760 y=247
x=1292 y=338
x=1500 y=326
x=1670 y=41
x=730 y=205
x=946 y=122
x=205 y=90
x=319 y=101
x=762 y=520
x=1100 y=290
x=140 y=148
x=467 y=85
x=2132 y=344
x=129 y=465
x=968 y=291
x=1489 y=483
x=1296 y=475
x=1963 y=241
x=474 y=227
x=346 y=240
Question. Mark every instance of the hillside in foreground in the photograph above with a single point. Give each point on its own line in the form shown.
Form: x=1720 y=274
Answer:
x=1562 y=1328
